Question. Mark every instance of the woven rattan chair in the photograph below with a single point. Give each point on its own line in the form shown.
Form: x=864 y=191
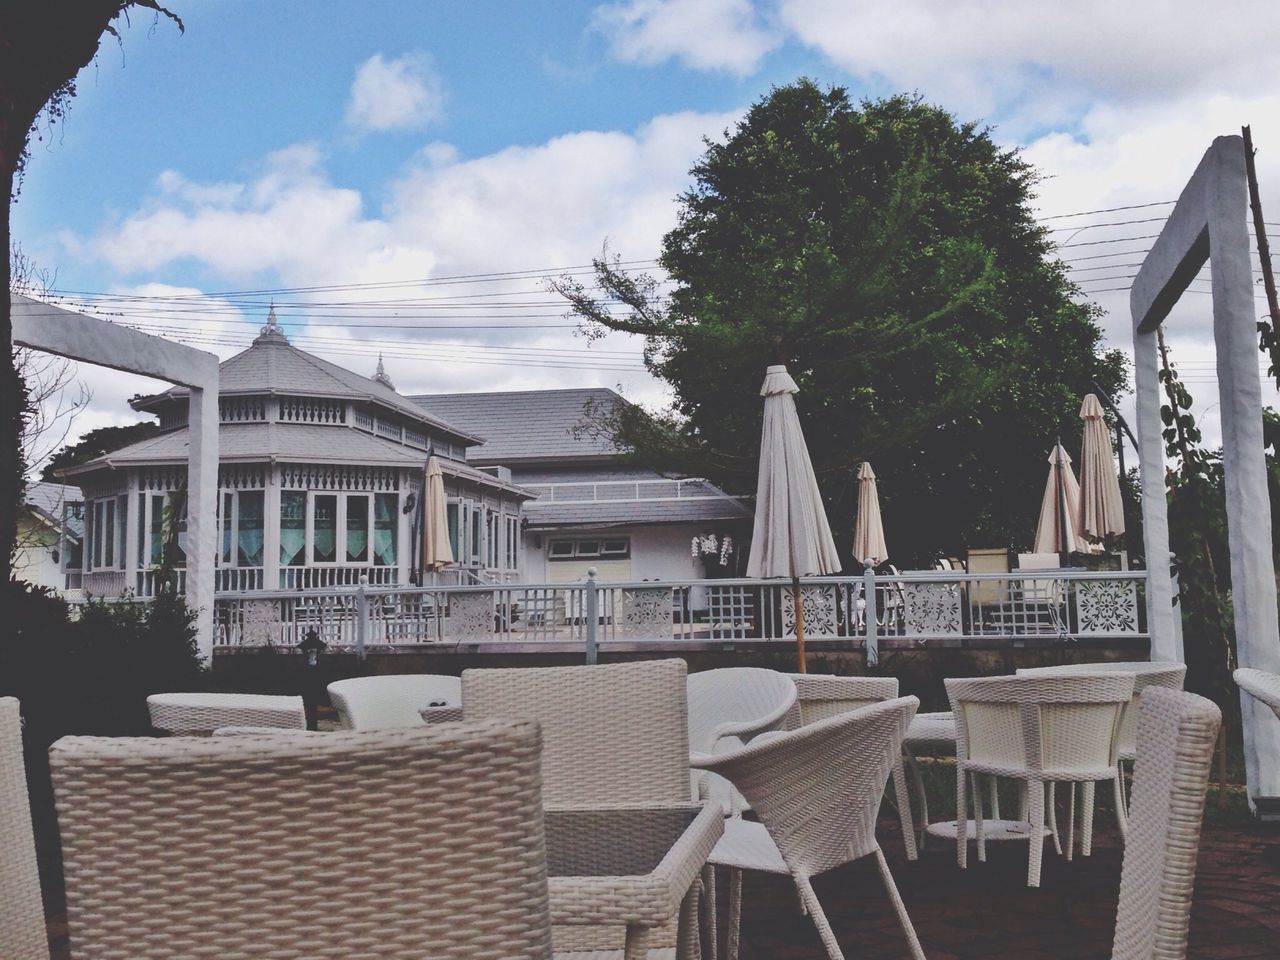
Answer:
x=22 y=933
x=1260 y=685
x=819 y=696
x=407 y=843
x=1039 y=730
x=373 y=703
x=816 y=792
x=1155 y=673
x=728 y=707
x=199 y=714
x=613 y=734
x=1175 y=741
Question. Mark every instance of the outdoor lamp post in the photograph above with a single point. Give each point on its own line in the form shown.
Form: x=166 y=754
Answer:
x=311 y=647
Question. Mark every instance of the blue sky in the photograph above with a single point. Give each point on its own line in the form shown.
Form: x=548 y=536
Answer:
x=290 y=144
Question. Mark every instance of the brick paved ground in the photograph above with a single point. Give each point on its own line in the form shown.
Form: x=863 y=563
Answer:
x=987 y=911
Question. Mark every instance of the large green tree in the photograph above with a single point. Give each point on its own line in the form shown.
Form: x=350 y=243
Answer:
x=43 y=46
x=889 y=256
x=97 y=443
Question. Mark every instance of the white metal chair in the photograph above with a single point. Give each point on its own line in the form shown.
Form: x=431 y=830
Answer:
x=1176 y=736
x=199 y=714
x=373 y=703
x=22 y=932
x=1039 y=730
x=819 y=696
x=816 y=791
x=398 y=843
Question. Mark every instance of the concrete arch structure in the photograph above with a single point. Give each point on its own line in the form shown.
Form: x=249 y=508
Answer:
x=51 y=329
x=1210 y=223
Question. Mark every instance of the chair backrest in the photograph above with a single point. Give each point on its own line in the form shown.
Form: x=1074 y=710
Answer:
x=1154 y=673
x=736 y=702
x=391 y=843
x=22 y=933
x=1176 y=736
x=374 y=703
x=202 y=713
x=1062 y=723
x=819 y=696
x=1260 y=685
x=818 y=789
x=612 y=733
x=988 y=560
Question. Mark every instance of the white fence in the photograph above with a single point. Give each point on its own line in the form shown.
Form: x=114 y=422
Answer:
x=918 y=609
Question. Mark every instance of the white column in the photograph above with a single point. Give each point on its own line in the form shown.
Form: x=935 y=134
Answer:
x=271 y=529
x=1165 y=639
x=137 y=521
x=202 y=512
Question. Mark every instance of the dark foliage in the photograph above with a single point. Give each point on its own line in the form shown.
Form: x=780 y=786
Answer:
x=97 y=443
x=888 y=254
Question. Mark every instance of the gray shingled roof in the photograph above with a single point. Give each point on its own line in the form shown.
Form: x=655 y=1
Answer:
x=48 y=499
x=525 y=425
x=276 y=366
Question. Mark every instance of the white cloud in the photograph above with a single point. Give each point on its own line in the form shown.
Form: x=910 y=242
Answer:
x=400 y=94
x=703 y=34
x=1037 y=64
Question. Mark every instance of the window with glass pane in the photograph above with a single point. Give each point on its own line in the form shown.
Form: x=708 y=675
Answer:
x=386 y=511
x=178 y=509
x=109 y=535
x=293 y=528
x=122 y=527
x=475 y=535
x=357 y=528
x=226 y=521
x=73 y=531
x=451 y=511
x=324 y=528
x=157 y=528
x=491 y=539
x=249 y=528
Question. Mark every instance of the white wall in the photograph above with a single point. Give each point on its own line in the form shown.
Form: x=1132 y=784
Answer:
x=33 y=560
x=658 y=552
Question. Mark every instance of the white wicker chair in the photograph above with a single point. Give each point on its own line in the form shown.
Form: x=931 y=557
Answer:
x=819 y=696
x=374 y=703
x=1154 y=673
x=613 y=734
x=199 y=714
x=1039 y=730
x=1260 y=685
x=392 y=843
x=22 y=932
x=1176 y=736
x=816 y=791
x=729 y=706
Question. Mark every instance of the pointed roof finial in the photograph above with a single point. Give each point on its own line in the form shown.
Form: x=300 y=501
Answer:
x=381 y=375
x=272 y=331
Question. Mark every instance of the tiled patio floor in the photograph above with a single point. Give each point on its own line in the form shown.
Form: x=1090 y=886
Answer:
x=987 y=911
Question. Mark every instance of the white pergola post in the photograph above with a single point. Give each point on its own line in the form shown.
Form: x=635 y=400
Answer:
x=51 y=329
x=1210 y=223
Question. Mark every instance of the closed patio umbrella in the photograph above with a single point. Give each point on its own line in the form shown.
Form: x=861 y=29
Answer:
x=1058 y=530
x=1101 y=509
x=868 y=529
x=790 y=536
x=436 y=551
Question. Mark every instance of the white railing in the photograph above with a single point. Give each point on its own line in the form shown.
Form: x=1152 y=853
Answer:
x=944 y=609
x=689 y=488
x=313 y=578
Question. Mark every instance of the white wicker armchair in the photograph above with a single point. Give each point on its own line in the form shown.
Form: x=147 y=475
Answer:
x=1260 y=685
x=1039 y=730
x=1176 y=736
x=393 y=844
x=199 y=714
x=396 y=700
x=819 y=696
x=834 y=771
x=22 y=933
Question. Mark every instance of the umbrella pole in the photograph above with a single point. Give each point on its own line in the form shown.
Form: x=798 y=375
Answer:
x=1064 y=544
x=799 y=607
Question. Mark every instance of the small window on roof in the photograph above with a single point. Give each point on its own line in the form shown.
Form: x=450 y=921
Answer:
x=560 y=550
x=618 y=549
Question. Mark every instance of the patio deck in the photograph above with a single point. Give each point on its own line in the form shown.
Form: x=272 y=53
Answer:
x=987 y=911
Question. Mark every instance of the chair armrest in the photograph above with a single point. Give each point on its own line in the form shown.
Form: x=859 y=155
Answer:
x=441 y=714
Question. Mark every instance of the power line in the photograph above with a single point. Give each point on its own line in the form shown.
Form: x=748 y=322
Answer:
x=1131 y=206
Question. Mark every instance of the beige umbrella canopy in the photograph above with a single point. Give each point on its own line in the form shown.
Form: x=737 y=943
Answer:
x=1101 y=509
x=436 y=551
x=868 y=529
x=790 y=536
x=1058 y=530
